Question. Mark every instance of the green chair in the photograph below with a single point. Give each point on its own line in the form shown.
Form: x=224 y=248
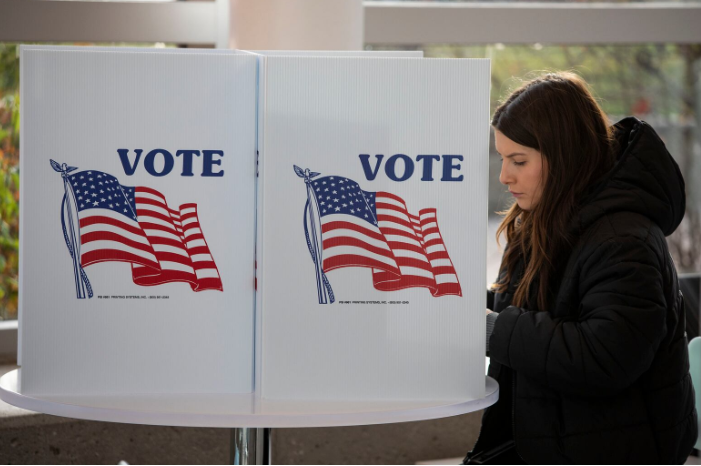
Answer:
x=695 y=369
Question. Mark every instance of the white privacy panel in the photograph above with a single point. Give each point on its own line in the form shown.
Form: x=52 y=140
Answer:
x=137 y=257
x=372 y=205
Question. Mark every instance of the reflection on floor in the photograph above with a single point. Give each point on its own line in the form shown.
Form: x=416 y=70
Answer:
x=691 y=460
x=445 y=461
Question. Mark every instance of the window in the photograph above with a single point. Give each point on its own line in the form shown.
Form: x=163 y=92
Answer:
x=652 y=72
x=9 y=173
x=658 y=83
x=132 y=23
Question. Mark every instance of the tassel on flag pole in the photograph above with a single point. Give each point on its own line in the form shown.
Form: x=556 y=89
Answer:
x=312 y=230
x=71 y=231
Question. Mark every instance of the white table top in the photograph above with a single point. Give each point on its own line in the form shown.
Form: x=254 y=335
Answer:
x=230 y=410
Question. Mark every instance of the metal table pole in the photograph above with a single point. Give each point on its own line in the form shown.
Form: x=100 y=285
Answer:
x=250 y=446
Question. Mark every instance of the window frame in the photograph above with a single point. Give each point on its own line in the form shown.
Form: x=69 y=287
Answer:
x=204 y=23
x=455 y=23
x=8 y=340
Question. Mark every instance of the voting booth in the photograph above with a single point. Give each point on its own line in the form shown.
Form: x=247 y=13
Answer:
x=292 y=227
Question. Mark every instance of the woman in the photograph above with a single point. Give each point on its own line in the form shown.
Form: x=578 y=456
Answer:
x=588 y=341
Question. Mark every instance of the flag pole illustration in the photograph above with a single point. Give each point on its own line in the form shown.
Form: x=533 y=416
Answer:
x=69 y=214
x=312 y=221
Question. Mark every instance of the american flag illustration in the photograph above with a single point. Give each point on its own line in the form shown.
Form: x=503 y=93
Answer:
x=376 y=230
x=136 y=225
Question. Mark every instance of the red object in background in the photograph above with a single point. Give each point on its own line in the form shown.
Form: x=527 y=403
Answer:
x=641 y=107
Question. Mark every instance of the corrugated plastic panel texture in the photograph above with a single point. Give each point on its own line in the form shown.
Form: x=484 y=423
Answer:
x=320 y=114
x=79 y=107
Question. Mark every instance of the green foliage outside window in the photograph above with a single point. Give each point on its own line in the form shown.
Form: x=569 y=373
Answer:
x=9 y=180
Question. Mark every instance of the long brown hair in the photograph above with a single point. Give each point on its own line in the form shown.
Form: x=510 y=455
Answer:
x=557 y=115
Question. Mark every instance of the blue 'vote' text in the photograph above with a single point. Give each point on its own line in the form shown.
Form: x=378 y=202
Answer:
x=165 y=161
x=400 y=167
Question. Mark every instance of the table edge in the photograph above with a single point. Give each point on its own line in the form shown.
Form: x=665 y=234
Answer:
x=442 y=409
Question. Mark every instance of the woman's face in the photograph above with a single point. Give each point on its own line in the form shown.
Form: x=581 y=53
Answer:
x=523 y=170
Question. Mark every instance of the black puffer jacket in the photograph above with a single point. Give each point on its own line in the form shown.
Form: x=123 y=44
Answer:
x=602 y=375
